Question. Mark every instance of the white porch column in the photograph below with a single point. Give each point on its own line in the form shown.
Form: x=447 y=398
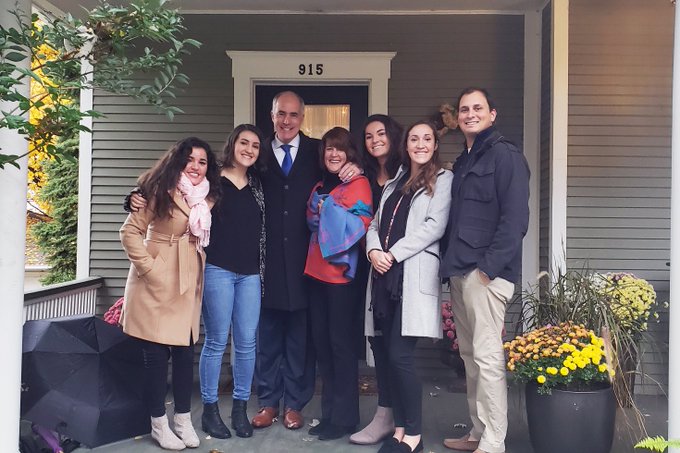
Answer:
x=559 y=134
x=13 y=228
x=674 y=312
x=532 y=145
x=84 y=180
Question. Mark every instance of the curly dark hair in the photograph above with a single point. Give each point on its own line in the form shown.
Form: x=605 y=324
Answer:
x=160 y=181
x=230 y=145
x=426 y=175
x=395 y=132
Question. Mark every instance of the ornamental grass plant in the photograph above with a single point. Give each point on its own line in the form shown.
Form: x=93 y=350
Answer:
x=616 y=306
x=620 y=303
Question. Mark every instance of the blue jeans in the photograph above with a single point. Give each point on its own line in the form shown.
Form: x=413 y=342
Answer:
x=229 y=299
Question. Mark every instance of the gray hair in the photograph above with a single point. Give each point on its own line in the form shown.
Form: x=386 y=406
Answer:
x=293 y=93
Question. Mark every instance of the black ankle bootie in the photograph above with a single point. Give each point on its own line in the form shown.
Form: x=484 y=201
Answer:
x=239 y=419
x=212 y=423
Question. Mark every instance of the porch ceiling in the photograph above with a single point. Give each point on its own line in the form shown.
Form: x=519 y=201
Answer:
x=326 y=6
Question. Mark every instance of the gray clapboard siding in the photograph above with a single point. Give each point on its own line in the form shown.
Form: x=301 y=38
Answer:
x=620 y=55
x=587 y=223
x=619 y=182
x=433 y=63
x=619 y=151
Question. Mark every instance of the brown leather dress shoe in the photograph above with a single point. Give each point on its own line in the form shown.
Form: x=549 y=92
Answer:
x=462 y=444
x=293 y=419
x=265 y=417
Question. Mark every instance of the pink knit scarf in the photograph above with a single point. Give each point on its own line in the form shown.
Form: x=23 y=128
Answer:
x=199 y=217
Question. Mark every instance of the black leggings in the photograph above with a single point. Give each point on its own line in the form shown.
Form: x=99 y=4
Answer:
x=404 y=384
x=382 y=371
x=333 y=316
x=156 y=376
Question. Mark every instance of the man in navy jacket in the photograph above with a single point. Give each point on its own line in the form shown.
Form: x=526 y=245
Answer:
x=483 y=258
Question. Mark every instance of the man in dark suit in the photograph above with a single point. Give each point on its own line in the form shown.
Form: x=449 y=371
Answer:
x=285 y=358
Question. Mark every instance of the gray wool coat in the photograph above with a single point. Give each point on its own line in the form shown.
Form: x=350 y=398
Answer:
x=419 y=251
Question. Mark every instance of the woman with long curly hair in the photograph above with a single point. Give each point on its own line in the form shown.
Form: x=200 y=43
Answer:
x=164 y=243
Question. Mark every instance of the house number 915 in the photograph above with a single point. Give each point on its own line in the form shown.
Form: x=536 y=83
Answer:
x=310 y=69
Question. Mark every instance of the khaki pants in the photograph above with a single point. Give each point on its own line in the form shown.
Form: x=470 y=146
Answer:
x=479 y=314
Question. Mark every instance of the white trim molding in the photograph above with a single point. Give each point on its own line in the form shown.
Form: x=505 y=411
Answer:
x=84 y=180
x=368 y=12
x=559 y=134
x=248 y=69
x=532 y=143
x=674 y=312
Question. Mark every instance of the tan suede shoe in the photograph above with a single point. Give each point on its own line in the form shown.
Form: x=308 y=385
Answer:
x=462 y=444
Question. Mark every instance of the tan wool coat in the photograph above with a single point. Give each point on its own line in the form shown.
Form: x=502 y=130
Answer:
x=165 y=283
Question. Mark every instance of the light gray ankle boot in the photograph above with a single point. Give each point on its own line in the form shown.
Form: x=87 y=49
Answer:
x=185 y=429
x=380 y=427
x=161 y=432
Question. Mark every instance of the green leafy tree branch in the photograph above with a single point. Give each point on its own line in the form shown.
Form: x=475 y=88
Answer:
x=110 y=39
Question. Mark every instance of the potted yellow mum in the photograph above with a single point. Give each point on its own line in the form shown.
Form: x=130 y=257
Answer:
x=565 y=356
x=567 y=380
x=632 y=299
x=633 y=302
x=621 y=303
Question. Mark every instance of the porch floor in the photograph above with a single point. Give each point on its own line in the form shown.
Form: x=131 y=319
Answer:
x=444 y=405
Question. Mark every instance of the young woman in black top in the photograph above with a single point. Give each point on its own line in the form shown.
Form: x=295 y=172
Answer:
x=233 y=280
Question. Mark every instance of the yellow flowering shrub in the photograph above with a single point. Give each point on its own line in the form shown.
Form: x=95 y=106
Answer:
x=38 y=156
x=632 y=300
x=564 y=356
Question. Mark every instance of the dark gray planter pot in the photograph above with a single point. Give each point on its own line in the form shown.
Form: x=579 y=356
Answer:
x=570 y=421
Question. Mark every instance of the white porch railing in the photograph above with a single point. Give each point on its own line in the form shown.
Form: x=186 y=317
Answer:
x=78 y=297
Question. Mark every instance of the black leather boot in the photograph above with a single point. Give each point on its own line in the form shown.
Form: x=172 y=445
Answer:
x=212 y=423
x=239 y=419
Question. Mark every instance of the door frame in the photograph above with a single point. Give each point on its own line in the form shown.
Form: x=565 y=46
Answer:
x=308 y=68
x=354 y=96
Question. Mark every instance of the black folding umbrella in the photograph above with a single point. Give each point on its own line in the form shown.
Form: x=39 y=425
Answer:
x=82 y=378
